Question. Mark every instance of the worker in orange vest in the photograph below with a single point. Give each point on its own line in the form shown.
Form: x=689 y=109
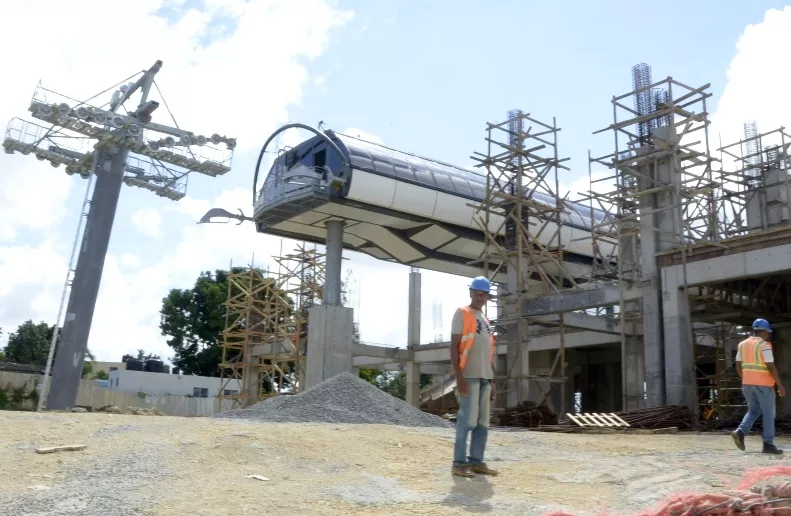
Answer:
x=756 y=367
x=472 y=354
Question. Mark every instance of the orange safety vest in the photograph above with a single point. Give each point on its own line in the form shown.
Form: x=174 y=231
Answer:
x=754 y=370
x=469 y=326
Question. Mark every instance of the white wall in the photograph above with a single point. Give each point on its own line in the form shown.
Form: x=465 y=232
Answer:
x=90 y=394
x=159 y=384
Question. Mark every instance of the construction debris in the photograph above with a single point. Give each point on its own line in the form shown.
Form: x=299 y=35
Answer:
x=135 y=411
x=55 y=449
x=669 y=416
x=344 y=398
x=666 y=419
x=528 y=414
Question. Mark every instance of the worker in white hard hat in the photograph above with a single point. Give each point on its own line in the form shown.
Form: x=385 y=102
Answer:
x=472 y=354
x=759 y=374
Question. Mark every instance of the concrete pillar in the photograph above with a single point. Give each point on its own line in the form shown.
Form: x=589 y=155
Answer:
x=517 y=355
x=329 y=342
x=413 y=338
x=633 y=349
x=653 y=364
x=331 y=325
x=680 y=382
x=333 y=260
x=679 y=353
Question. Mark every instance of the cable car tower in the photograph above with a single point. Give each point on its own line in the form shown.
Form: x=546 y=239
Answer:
x=108 y=149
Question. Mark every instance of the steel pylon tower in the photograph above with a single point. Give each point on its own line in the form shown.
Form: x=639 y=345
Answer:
x=127 y=150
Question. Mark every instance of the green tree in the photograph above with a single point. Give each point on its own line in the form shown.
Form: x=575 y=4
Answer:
x=87 y=365
x=101 y=375
x=193 y=320
x=29 y=344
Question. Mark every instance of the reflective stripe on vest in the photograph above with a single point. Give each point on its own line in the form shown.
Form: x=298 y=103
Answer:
x=754 y=370
x=469 y=328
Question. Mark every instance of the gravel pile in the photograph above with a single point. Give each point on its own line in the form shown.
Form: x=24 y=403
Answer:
x=344 y=398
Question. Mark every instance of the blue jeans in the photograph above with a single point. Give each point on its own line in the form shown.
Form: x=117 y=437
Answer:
x=760 y=400
x=473 y=416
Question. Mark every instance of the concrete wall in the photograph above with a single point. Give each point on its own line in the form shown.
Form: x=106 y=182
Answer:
x=90 y=394
x=172 y=384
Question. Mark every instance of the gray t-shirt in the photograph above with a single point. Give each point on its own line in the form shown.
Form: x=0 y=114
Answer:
x=479 y=364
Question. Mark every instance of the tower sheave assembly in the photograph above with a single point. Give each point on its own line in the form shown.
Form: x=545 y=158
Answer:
x=116 y=148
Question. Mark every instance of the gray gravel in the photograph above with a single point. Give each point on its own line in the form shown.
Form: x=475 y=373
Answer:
x=344 y=398
x=100 y=487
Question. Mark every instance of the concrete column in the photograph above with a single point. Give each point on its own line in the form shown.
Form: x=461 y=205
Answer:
x=517 y=355
x=679 y=353
x=652 y=359
x=413 y=338
x=331 y=325
x=334 y=258
x=329 y=342
x=633 y=349
x=680 y=382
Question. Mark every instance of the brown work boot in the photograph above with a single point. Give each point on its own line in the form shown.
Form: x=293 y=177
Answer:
x=483 y=469
x=462 y=471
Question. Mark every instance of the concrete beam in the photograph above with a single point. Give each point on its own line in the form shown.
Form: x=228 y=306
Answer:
x=599 y=324
x=358 y=350
x=439 y=352
x=369 y=350
x=759 y=262
x=573 y=300
x=374 y=363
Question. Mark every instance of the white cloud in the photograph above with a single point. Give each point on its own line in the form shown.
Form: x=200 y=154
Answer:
x=358 y=133
x=31 y=286
x=207 y=76
x=757 y=87
x=148 y=221
x=130 y=261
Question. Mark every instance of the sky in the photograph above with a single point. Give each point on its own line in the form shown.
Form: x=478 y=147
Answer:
x=420 y=76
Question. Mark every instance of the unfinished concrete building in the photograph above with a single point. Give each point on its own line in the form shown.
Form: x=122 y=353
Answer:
x=634 y=294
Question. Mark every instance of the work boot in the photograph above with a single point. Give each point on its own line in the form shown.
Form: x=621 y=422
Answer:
x=462 y=471
x=738 y=438
x=771 y=448
x=483 y=469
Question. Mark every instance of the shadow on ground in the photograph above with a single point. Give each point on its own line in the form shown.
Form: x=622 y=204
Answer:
x=470 y=494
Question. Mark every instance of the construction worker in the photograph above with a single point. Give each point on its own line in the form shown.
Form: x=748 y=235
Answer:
x=472 y=354
x=756 y=368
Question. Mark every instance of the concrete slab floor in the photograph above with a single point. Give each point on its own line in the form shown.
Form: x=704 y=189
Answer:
x=168 y=465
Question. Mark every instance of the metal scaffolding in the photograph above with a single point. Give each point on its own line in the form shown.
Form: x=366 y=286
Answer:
x=752 y=207
x=520 y=217
x=754 y=195
x=264 y=307
x=659 y=199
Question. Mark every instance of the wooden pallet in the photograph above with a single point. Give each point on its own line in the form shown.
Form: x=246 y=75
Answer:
x=591 y=419
x=572 y=429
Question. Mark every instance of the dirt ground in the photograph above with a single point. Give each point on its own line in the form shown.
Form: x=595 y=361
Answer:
x=147 y=465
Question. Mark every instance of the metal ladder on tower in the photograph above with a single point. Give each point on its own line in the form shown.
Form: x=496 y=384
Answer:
x=86 y=208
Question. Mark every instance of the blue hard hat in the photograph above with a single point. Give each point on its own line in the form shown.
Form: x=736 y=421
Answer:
x=481 y=283
x=761 y=324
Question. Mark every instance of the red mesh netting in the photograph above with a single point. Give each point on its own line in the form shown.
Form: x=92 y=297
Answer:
x=749 y=498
